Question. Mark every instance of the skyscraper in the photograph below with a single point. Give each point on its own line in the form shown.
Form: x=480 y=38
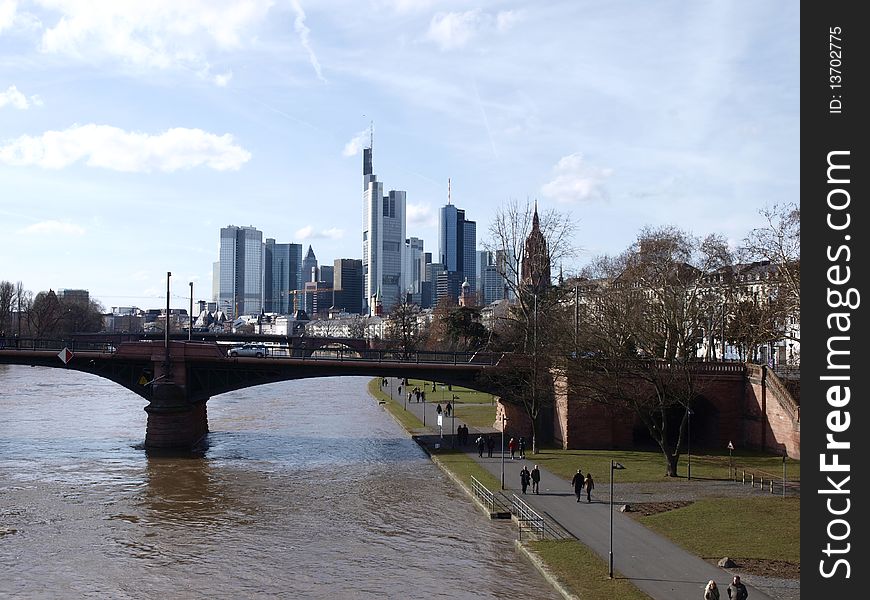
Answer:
x=348 y=285
x=457 y=245
x=383 y=239
x=283 y=275
x=412 y=271
x=241 y=271
x=309 y=267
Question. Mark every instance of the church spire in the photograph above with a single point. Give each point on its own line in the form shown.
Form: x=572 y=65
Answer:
x=535 y=223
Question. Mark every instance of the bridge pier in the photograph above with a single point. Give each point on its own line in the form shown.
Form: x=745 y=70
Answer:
x=174 y=423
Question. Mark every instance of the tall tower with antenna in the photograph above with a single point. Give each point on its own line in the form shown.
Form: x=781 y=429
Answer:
x=383 y=238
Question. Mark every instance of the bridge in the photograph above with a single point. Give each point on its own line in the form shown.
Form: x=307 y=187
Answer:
x=178 y=379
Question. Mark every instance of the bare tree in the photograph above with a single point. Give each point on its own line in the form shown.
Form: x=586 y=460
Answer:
x=779 y=242
x=7 y=298
x=522 y=240
x=402 y=326
x=646 y=313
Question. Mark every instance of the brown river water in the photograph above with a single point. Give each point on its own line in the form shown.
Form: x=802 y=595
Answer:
x=307 y=489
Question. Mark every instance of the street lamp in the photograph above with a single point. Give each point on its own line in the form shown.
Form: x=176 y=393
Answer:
x=190 y=316
x=730 y=460
x=166 y=322
x=503 y=419
x=613 y=467
x=689 y=444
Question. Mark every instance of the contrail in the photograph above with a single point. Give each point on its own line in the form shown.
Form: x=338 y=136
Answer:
x=485 y=120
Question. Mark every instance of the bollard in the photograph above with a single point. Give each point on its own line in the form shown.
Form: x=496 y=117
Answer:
x=744 y=477
x=752 y=479
x=771 y=486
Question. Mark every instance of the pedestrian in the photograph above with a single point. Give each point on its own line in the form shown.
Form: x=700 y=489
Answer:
x=536 y=479
x=490 y=444
x=589 y=487
x=438 y=408
x=525 y=477
x=577 y=483
x=711 y=592
x=480 y=444
x=512 y=446
x=433 y=386
x=522 y=447
x=417 y=394
x=737 y=591
x=448 y=408
x=400 y=390
x=423 y=397
x=409 y=397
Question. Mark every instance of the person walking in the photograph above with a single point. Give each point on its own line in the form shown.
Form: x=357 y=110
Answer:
x=448 y=409
x=536 y=479
x=512 y=447
x=522 y=447
x=737 y=591
x=589 y=486
x=577 y=483
x=481 y=443
x=438 y=408
x=711 y=592
x=525 y=477
x=490 y=444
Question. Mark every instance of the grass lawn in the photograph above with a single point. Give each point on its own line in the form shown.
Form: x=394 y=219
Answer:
x=406 y=418
x=765 y=528
x=642 y=465
x=443 y=395
x=584 y=572
x=464 y=466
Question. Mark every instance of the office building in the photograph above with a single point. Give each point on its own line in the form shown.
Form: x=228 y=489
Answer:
x=283 y=276
x=241 y=271
x=383 y=240
x=309 y=267
x=412 y=272
x=348 y=285
x=457 y=245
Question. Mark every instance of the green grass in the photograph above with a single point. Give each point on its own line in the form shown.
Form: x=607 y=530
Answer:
x=476 y=415
x=408 y=420
x=444 y=395
x=584 y=572
x=641 y=465
x=464 y=466
x=766 y=528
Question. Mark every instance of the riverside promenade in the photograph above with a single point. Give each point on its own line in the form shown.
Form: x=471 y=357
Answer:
x=654 y=564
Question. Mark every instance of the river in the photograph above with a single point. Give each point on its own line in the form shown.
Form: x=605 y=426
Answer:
x=307 y=489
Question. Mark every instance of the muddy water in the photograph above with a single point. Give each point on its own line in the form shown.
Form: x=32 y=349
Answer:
x=307 y=489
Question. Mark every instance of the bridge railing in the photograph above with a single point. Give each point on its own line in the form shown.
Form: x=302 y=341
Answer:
x=539 y=526
x=14 y=343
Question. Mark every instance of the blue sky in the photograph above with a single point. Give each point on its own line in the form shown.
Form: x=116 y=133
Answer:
x=131 y=132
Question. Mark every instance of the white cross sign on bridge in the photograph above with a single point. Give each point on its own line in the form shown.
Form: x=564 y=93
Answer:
x=65 y=355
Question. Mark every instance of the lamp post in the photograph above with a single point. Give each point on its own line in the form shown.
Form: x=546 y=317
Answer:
x=730 y=460
x=190 y=316
x=166 y=322
x=689 y=444
x=503 y=420
x=613 y=467
x=784 y=455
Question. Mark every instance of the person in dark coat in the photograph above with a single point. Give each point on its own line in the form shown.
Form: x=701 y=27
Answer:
x=481 y=443
x=711 y=592
x=577 y=483
x=512 y=446
x=522 y=447
x=448 y=409
x=737 y=591
x=525 y=477
x=490 y=444
x=438 y=408
x=536 y=479
x=590 y=485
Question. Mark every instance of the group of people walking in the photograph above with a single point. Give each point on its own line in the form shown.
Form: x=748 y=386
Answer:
x=517 y=447
x=736 y=591
x=533 y=477
x=580 y=483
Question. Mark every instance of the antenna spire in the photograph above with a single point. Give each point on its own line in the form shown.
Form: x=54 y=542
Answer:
x=448 y=190
x=372 y=134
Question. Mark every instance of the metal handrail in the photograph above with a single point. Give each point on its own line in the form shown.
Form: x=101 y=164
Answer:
x=542 y=526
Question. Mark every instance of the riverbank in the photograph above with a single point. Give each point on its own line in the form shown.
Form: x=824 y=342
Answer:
x=573 y=569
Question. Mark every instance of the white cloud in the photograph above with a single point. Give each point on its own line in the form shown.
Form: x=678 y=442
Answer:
x=222 y=79
x=575 y=181
x=113 y=148
x=356 y=144
x=155 y=34
x=455 y=29
x=303 y=31
x=506 y=19
x=7 y=13
x=420 y=213
x=308 y=233
x=14 y=98
x=53 y=227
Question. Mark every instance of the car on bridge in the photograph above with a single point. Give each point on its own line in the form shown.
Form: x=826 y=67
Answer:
x=258 y=350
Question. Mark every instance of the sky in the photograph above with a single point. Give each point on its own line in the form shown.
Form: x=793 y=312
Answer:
x=131 y=132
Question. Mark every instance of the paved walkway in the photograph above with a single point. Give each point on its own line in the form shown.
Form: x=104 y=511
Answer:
x=653 y=563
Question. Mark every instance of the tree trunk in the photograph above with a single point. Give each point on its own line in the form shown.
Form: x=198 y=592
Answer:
x=672 y=460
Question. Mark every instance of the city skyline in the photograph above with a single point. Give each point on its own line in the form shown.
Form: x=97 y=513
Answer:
x=129 y=136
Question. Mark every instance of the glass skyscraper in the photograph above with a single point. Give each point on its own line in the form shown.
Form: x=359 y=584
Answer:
x=283 y=274
x=241 y=271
